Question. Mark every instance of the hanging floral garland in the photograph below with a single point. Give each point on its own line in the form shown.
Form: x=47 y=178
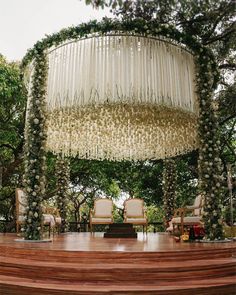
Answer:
x=207 y=78
x=35 y=155
x=210 y=166
x=62 y=184
x=169 y=188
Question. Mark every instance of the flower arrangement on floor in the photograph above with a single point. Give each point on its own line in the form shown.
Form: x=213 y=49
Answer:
x=193 y=233
x=185 y=237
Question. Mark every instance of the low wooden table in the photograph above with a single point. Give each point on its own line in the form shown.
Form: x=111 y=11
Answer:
x=120 y=230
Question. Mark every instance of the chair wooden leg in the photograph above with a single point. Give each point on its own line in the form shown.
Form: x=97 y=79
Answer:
x=182 y=224
x=18 y=228
x=175 y=228
x=48 y=227
x=182 y=229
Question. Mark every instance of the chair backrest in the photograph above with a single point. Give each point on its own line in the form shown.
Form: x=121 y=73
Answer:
x=198 y=203
x=103 y=208
x=202 y=207
x=21 y=202
x=134 y=207
x=51 y=210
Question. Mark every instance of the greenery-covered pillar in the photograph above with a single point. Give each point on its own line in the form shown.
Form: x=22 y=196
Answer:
x=210 y=167
x=169 y=187
x=35 y=141
x=62 y=176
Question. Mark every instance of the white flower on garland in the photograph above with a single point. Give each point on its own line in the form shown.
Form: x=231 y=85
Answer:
x=36 y=121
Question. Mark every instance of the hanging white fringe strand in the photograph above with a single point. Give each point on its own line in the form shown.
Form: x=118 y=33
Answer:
x=121 y=97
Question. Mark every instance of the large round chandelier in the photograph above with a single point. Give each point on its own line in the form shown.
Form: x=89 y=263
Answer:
x=120 y=96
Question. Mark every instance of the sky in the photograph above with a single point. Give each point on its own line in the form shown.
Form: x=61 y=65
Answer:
x=24 y=22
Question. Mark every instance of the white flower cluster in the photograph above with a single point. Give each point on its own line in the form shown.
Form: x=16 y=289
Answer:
x=119 y=131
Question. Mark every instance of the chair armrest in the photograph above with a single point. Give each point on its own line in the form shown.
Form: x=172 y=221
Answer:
x=187 y=210
x=193 y=207
x=91 y=212
x=49 y=210
x=182 y=211
x=57 y=212
x=125 y=214
x=145 y=213
x=178 y=212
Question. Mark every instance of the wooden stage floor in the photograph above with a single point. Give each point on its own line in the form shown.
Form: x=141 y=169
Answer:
x=152 y=242
x=86 y=264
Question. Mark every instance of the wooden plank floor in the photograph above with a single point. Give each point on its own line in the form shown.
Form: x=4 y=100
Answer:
x=152 y=242
x=81 y=263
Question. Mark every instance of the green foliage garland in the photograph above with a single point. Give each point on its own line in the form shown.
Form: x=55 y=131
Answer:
x=62 y=178
x=207 y=79
x=210 y=166
x=169 y=187
x=35 y=156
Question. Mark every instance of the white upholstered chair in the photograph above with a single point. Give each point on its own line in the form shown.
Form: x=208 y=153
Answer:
x=101 y=213
x=21 y=205
x=134 y=212
x=188 y=216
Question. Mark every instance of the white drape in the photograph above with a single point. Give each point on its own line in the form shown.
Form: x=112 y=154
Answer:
x=121 y=69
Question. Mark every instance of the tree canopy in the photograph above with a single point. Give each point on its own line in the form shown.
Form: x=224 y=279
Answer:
x=12 y=114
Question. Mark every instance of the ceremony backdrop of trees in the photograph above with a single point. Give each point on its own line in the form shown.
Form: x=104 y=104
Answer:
x=212 y=23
